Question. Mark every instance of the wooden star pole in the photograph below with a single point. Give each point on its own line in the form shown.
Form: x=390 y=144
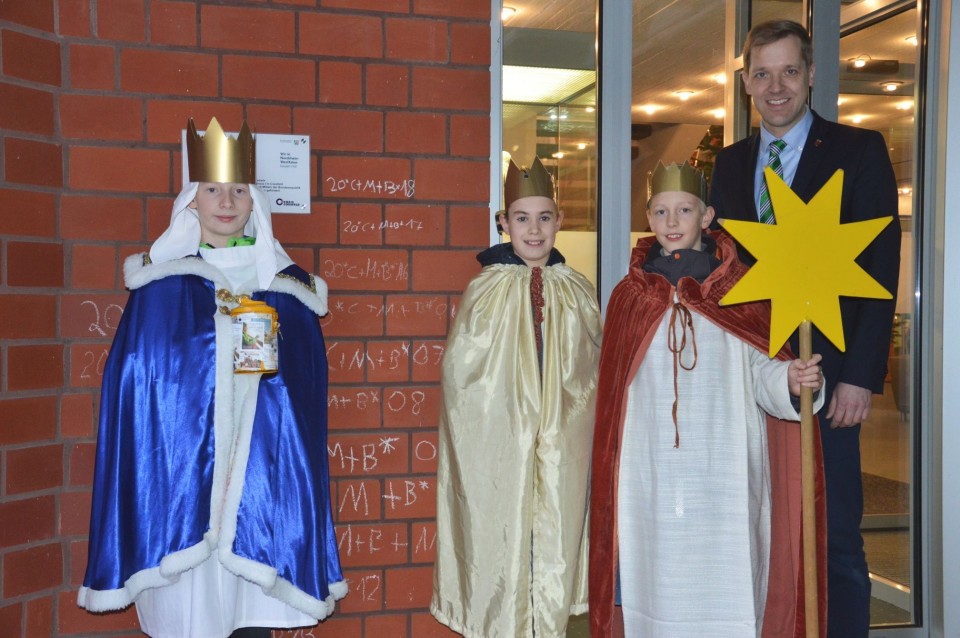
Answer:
x=805 y=263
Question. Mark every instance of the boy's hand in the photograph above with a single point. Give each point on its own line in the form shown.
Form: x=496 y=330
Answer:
x=804 y=373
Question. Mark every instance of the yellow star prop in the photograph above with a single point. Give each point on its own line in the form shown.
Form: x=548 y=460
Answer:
x=805 y=261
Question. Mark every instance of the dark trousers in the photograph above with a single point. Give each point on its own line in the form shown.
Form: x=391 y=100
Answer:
x=251 y=632
x=848 y=583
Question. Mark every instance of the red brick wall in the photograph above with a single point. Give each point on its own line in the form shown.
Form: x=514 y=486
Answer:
x=93 y=94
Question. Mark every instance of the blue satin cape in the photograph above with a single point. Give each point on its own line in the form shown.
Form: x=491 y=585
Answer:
x=178 y=476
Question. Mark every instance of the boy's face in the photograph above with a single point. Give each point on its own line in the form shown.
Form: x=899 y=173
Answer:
x=678 y=219
x=532 y=223
x=223 y=209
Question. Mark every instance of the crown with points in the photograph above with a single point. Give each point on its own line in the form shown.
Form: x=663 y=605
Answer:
x=676 y=177
x=527 y=182
x=217 y=157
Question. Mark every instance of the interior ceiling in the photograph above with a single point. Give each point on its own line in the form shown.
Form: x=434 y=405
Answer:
x=678 y=45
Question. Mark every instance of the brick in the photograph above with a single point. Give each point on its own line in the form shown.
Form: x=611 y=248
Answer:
x=385 y=6
x=331 y=626
x=11 y=622
x=415 y=225
x=362 y=455
x=345 y=269
x=361 y=224
x=81 y=460
x=388 y=361
x=385 y=626
x=73 y=619
x=424 y=537
x=453 y=180
x=358 y=501
x=345 y=177
x=32 y=570
x=319 y=227
x=416 y=133
x=28 y=420
x=247 y=29
x=372 y=545
x=470 y=135
x=427 y=357
x=75 y=513
x=409 y=588
x=470 y=226
x=119 y=169
x=31 y=162
x=122 y=20
x=31 y=58
x=169 y=72
x=33 y=469
x=341 y=35
x=90 y=316
x=387 y=85
x=101 y=218
x=340 y=82
x=424 y=625
x=416 y=315
x=167 y=118
x=454 y=89
x=93 y=267
x=266 y=78
x=354 y=316
x=76 y=415
x=345 y=361
x=27 y=213
x=39 y=617
x=28 y=317
x=34 y=367
x=353 y=408
x=365 y=594
x=270 y=117
x=26 y=110
x=35 y=264
x=38 y=14
x=78 y=562
x=303 y=257
x=411 y=407
x=410 y=497
x=92 y=67
x=470 y=43
x=74 y=18
x=443 y=270
x=86 y=364
x=101 y=117
x=341 y=129
x=417 y=40
x=173 y=23
x=462 y=9
x=35 y=520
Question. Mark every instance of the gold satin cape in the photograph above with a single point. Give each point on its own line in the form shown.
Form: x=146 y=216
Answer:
x=514 y=456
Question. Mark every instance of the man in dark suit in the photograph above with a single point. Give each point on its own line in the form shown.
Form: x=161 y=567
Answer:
x=778 y=60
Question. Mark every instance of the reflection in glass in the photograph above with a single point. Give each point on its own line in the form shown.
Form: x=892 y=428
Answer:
x=877 y=78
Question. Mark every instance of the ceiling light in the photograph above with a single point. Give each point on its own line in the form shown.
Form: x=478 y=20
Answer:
x=891 y=85
x=906 y=105
x=684 y=95
x=589 y=109
x=856 y=119
x=841 y=100
x=581 y=146
x=720 y=78
x=905 y=190
x=506 y=13
x=649 y=109
x=911 y=39
x=860 y=61
x=718 y=113
x=558 y=155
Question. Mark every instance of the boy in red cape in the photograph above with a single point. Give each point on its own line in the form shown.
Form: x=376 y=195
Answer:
x=695 y=494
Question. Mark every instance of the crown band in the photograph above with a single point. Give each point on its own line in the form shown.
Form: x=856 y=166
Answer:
x=676 y=177
x=217 y=157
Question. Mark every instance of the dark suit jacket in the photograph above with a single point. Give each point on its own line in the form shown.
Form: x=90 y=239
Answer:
x=869 y=190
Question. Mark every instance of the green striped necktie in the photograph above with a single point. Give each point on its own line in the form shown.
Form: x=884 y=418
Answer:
x=765 y=210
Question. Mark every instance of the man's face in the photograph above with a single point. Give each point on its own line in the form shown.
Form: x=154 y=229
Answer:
x=223 y=209
x=532 y=223
x=778 y=80
x=678 y=219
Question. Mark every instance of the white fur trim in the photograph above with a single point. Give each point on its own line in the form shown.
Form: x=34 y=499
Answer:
x=315 y=301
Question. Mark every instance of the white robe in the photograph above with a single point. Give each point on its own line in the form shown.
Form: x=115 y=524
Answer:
x=694 y=520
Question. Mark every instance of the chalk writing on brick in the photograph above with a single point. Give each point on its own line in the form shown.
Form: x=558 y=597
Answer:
x=406 y=187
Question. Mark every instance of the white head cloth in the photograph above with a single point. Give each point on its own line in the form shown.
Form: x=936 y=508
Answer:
x=182 y=237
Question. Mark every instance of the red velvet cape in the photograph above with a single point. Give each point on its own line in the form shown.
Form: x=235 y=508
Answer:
x=636 y=308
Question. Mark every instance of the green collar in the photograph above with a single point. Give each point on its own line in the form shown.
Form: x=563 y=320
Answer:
x=234 y=241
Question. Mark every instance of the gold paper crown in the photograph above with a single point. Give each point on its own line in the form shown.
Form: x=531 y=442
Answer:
x=524 y=182
x=676 y=177
x=216 y=157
